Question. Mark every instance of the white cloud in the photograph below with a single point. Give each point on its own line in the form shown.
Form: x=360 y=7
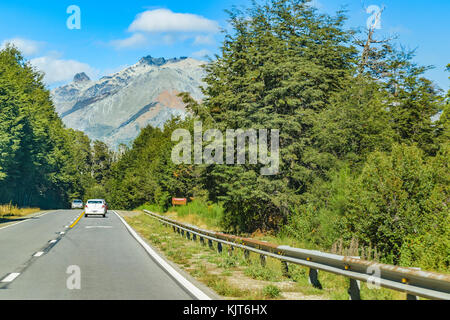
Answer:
x=399 y=30
x=162 y=26
x=136 y=40
x=204 y=40
x=26 y=46
x=202 y=54
x=59 y=70
x=164 y=20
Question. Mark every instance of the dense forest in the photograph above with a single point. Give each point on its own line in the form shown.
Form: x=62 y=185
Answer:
x=42 y=163
x=363 y=152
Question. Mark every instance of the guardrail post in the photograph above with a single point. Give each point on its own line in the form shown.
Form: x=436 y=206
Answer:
x=314 y=278
x=246 y=254
x=188 y=235
x=219 y=247
x=230 y=251
x=262 y=260
x=422 y=283
x=354 y=289
x=411 y=296
x=194 y=237
x=285 y=269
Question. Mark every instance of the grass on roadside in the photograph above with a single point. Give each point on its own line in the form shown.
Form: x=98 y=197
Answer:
x=235 y=277
x=9 y=211
x=196 y=212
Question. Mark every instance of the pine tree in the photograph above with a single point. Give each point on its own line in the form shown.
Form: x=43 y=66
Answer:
x=278 y=69
x=37 y=155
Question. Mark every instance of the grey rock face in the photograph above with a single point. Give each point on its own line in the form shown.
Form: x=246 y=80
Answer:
x=80 y=77
x=115 y=108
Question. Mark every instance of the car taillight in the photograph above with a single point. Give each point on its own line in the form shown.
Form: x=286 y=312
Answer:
x=86 y=206
x=103 y=206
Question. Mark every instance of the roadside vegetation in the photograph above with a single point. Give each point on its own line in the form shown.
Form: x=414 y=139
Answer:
x=235 y=277
x=11 y=212
x=363 y=156
x=363 y=153
x=42 y=163
x=198 y=213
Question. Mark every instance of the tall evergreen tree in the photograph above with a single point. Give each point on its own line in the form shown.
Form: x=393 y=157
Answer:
x=277 y=70
x=37 y=158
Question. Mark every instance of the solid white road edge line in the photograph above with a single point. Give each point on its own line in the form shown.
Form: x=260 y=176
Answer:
x=14 y=224
x=44 y=214
x=26 y=219
x=10 y=277
x=196 y=292
x=38 y=254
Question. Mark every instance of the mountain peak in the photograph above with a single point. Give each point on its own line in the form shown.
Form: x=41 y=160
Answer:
x=114 y=108
x=81 y=77
x=159 y=61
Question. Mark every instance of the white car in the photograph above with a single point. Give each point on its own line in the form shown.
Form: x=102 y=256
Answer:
x=96 y=207
x=77 y=204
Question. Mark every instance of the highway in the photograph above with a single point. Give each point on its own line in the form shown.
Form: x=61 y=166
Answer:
x=109 y=262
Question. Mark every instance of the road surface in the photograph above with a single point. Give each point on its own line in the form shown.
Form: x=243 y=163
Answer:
x=111 y=263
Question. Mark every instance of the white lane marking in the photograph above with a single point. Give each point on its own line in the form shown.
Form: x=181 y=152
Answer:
x=53 y=241
x=62 y=232
x=38 y=254
x=44 y=214
x=10 y=277
x=14 y=224
x=26 y=219
x=196 y=292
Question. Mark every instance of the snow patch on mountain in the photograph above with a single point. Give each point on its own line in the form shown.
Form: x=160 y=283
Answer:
x=115 y=108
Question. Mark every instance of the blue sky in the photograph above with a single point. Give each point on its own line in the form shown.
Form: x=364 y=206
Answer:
x=116 y=34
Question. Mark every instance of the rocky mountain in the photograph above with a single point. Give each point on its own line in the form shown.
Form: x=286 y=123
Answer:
x=115 y=108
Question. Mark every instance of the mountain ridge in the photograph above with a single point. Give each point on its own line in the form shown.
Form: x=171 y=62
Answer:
x=114 y=108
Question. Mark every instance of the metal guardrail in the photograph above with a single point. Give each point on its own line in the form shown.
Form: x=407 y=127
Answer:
x=415 y=283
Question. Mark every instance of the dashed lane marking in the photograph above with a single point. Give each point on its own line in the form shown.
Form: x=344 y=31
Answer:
x=10 y=277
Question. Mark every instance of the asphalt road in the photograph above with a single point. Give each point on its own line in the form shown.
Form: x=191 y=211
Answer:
x=111 y=263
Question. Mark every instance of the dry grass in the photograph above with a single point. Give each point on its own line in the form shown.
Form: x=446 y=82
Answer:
x=11 y=211
x=234 y=277
x=192 y=219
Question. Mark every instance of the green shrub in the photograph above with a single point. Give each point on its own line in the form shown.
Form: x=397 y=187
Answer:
x=271 y=291
x=258 y=272
x=398 y=203
x=396 y=197
x=319 y=222
x=151 y=207
x=212 y=214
